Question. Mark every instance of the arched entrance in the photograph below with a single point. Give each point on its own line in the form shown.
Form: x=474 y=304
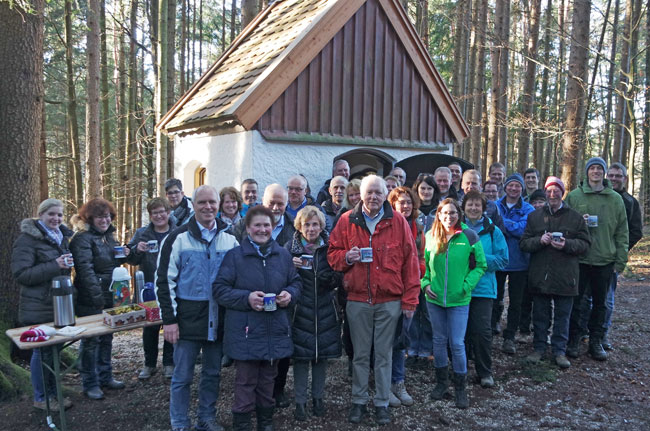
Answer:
x=364 y=161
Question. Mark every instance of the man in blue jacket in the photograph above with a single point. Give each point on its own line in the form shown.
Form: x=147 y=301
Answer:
x=515 y=212
x=188 y=265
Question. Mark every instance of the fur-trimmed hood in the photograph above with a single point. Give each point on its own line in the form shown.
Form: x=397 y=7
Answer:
x=31 y=227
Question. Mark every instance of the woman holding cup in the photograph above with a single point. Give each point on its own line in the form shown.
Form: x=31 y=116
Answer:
x=96 y=253
x=146 y=246
x=316 y=326
x=256 y=275
x=40 y=254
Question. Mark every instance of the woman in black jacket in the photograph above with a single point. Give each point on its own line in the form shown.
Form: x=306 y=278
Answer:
x=316 y=327
x=40 y=254
x=94 y=260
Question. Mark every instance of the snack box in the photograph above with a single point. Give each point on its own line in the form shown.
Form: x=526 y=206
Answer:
x=152 y=309
x=124 y=315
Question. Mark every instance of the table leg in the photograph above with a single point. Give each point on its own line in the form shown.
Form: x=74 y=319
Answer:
x=48 y=413
x=59 y=389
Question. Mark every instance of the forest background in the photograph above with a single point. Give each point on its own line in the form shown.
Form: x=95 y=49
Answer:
x=546 y=84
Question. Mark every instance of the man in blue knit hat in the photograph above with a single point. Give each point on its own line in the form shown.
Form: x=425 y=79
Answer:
x=515 y=212
x=604 y=212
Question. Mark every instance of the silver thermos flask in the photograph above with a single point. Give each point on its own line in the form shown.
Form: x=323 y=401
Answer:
x=139 y=285
x=62 y=297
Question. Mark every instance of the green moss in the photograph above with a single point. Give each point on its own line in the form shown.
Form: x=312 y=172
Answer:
x=540 y=372
x=14 y=380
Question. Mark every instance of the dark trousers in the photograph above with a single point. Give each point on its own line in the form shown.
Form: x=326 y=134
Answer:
x=526 y=311
x=281 y=378
x=254 y=385
x=479 y=335
x=555 y=309
x=517 y=281
x=150 y=336
x=598 y=279
x=497 y=305
x=346 y=338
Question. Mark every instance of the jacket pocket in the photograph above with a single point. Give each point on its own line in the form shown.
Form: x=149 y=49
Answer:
x=392 y=257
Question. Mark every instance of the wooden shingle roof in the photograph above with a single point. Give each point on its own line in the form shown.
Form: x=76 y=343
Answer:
x=273 y=50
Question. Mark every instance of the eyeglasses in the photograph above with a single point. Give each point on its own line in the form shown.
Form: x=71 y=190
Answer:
x=450 y=213
x=174 y=192
x=158 y=213
x=103 y=217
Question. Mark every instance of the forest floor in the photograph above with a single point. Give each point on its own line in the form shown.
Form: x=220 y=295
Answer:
x=591 y=395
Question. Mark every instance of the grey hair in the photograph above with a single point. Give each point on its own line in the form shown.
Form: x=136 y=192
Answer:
x=339 y=162
x=202 y=188
x=444 y=169
x=620 y=166
x=302 y=180
x=340 y=178
x=473 y=172
x=272 y=188
x=372 y=179
x=47 y=204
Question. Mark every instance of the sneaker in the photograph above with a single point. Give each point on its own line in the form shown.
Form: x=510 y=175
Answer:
x=114 y=384
x=168 y=371
x=487 y=382
x=146 y=373
x=41 y=405
x=94 y=393
x=534 y=357
x=399 y=391
x=393 y=401
x=509 y=347
x=562 y=361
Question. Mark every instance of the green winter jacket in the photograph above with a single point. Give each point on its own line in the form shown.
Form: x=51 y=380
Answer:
x=610 y=238
x=449 y=273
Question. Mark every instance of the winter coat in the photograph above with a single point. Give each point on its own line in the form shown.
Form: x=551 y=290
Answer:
x=324 y=192
x=94 y=261
x=187 y=267
x=330 y=215
x=514 y=222
x=634 y=223
x=609 y=240
x=495 y=249
x=183 y=212
x=250 y=334
x=315 y=323
x=148 y=262
x=285 y=234
x=394 y=273
x=449 y=273
x=552 y=271
x=33 y=265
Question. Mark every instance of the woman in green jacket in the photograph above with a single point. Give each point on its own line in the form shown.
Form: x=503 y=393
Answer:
x=455 y=262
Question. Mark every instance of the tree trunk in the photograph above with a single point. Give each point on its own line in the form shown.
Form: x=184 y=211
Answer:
x=528 y=96
x=620 y=117
x=93 y=144
x=645 y=177
x=606 y=153
x=233 y=21
x=44 y=192
x=541 y=136
x=181 y=44
x=560 y=83
x=121 y=108
x=578 y=62
x=499 y=95
x=106 y=123
x=21 y=97
x=72 y=121
x=161 y=97
x=130 y=150
x=171 y=72
x=479 y=82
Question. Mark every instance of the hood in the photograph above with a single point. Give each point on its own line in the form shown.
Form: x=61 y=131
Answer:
x=30 y=226
x=586 y=188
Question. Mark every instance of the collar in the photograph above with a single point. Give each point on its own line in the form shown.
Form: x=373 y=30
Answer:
x=369 y=218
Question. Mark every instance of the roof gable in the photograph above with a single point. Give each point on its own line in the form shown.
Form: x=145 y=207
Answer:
x=276 y=48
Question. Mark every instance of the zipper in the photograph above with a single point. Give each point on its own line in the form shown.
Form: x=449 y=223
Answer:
x=368 y=271
x=444 y=297
x=315 y=301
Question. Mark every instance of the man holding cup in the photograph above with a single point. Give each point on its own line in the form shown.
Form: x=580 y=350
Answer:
x=555 y=236
x=604 y=211
x=374 y=247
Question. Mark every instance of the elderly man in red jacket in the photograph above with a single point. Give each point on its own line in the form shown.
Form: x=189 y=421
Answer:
x=374 y=247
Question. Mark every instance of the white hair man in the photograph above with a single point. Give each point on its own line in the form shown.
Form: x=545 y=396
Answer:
x=339 y=168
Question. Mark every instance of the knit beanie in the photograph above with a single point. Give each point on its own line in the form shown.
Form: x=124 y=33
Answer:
x=554 y=181
x=537 y=195
x=595 y=161
x=514 y=177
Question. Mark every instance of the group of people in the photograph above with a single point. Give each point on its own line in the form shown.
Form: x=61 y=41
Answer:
x=393 y=275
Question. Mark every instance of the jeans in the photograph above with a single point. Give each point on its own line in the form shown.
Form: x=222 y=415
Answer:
x=517 y=281
x=599 y=279
x=547 y=309
x=609 y=302
x=479 y=334
x=301 y=377
x=398 y=370
x=185 y=353
x=38 y=355
x=372 y=324
x=450 y=326
x=150 y=336
x=420 y=331
x=95 y=361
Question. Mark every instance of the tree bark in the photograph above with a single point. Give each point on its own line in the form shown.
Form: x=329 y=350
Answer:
x=93 y=144
x=248 y=11
x=541 y=136
x=620 y=116
x=181 y=44
x=645 y=176
x=578 y=61
x=171 y=72
x=21 y=99
x=161 y=97
x=107 y=170
x=606 y=153
x=72 y=121
x=479 y=82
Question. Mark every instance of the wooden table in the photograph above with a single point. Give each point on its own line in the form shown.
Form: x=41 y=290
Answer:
x=94 y=327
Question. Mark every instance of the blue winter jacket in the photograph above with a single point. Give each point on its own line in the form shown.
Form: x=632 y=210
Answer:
x=496 y=255
x=514 y=221
x=250 y=334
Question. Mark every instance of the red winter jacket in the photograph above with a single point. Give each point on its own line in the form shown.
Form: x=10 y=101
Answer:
x=394 y=273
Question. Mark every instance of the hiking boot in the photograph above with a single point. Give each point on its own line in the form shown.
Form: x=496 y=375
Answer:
x=460 y=390
x=94 y=393
x=606 y=344
x=208 y=426
x=168 y=371
x=301 y=412
x=393 y=401
x=146 y=373
x=596 y=350
x=442 y=383
x=573 y=348
x=562 y=361
x=534 y=357
x=382 y=415
x=318 y=407
x=487 y=382
x=357 y=412
x=509 y=347
x=241 y=421
x=281 y=400
x=264 y=418
x=399 y=390
x=114 y=384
